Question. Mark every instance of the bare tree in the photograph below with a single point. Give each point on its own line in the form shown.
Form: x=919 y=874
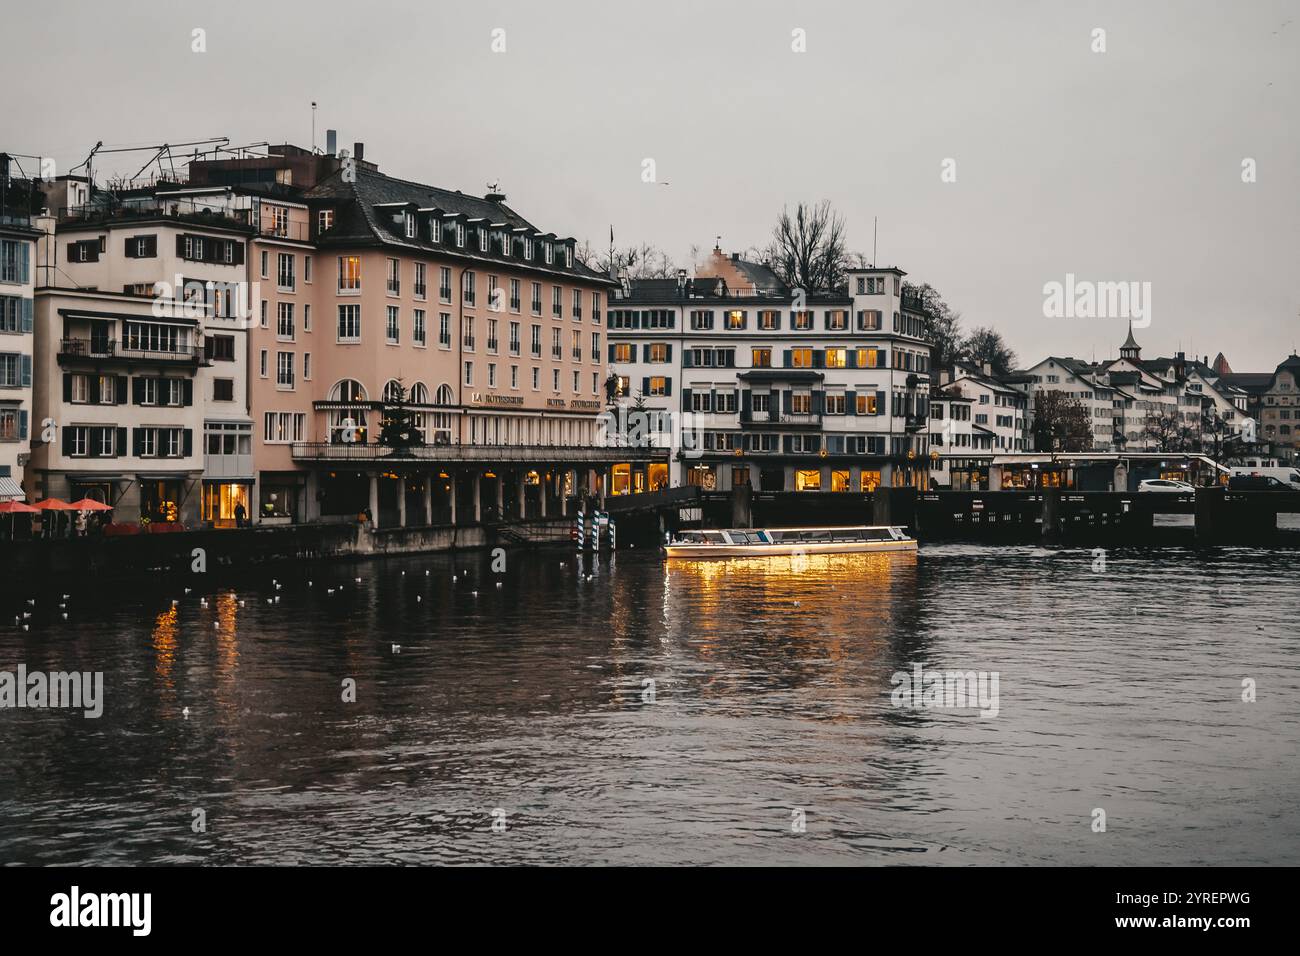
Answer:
x=985 y=346
x=941 y=325
x=1061 y=423
x=1167 y=431
x=644 y=261
x=808 y=250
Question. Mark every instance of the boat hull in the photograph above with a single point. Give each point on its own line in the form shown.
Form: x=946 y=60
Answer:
x=705 y=551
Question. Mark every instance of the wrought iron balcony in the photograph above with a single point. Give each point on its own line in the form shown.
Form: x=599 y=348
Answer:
x=96 y=350
x=362 y=452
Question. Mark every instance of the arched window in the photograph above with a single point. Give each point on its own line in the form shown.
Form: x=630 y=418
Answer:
x=443 y=421
x=392 y=391
x=348 y=390
x=419 y=395
x=348 y=425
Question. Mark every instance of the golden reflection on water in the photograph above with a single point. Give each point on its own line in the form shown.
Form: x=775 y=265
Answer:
x=227 y=608
x=836 y=608
x=164 y=646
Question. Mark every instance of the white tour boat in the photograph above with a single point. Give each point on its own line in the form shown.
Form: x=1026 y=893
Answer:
x=764 y=542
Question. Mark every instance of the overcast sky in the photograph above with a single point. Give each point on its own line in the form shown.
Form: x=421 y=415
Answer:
x=1117 y=166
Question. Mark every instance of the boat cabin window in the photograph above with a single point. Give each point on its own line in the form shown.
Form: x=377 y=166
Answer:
x=714 y=537
x=691 y=537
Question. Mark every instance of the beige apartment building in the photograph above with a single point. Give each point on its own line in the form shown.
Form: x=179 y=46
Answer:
x=374 y=293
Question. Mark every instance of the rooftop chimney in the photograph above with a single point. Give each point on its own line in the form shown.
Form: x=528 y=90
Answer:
x=358 y=151
x=331 y=141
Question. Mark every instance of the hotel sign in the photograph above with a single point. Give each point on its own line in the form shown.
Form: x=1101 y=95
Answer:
x=491 y=398
x=577 y=403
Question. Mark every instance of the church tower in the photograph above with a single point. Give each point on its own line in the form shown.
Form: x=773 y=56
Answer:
x=1130 y=349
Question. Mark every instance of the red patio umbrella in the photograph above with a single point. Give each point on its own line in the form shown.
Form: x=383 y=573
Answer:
x=16 y=508
x=53 y=504
x=89 y=504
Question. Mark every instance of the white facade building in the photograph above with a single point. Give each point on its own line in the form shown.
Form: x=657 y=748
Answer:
x=751 y=383
x=141 y=355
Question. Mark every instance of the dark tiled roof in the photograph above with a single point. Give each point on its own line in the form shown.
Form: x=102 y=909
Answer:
x=1250 y=381
x=704 y=292
x=358 y=221
x=763 y=278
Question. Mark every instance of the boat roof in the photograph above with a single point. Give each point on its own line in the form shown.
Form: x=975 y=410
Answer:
x=832 y=527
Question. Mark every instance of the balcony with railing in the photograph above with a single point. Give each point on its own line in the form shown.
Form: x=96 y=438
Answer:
x=92 y=350
x=297 y=231
x=330 y=452
x=110 y=208
x=768 y=419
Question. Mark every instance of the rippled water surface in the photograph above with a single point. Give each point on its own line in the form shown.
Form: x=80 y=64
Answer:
x=1119 y=689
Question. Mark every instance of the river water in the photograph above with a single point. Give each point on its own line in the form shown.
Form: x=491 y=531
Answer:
x=768 y=734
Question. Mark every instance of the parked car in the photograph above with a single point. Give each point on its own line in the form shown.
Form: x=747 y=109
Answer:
x=1286 y=475
x=1165 y=484
x=1257 y=483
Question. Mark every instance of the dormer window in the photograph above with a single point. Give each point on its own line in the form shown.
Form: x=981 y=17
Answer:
x=528 y=248
x=409 y=218
x=548 y=252
x=482 y=240
x=435 y=228
x=460 y=235
x=505 y=243
x=325 y=220
x=568 y=257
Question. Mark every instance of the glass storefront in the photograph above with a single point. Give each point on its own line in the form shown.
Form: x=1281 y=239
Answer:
x=1033 y=476
x=620 y=480
x=160 y=501
x=840 y=479
x=809 y=479
x=220 y=501
x=280 y=497
x=658 y=475
x=870 y=480
x=101 y=491
x=702 y=476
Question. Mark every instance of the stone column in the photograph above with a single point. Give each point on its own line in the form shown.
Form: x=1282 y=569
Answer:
x=478 y=497
x=429 y=479
x=454 y=481
x=501 y=495
x=374 y=501
x=545 y=487
x=401 y=502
